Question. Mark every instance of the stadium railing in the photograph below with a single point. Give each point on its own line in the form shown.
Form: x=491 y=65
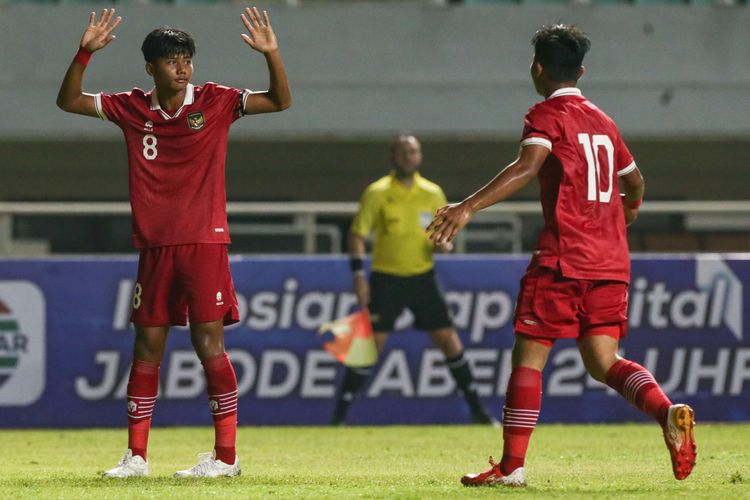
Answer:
x=318 y=227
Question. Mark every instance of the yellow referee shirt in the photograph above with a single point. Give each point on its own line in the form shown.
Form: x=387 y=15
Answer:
x=398 y=217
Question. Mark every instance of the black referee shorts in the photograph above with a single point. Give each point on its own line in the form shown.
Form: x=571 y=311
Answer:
x=390 y=294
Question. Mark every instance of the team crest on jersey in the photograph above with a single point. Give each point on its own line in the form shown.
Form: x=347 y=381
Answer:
x=196 y=120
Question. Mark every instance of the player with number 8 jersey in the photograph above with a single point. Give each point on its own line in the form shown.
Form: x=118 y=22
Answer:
x=174 y=159
x=176 y=136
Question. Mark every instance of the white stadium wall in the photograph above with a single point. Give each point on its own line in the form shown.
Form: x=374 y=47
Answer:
x=366 y=70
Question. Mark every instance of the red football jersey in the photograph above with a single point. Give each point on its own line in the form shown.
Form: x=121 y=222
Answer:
x=584 y=226
x=176 y=162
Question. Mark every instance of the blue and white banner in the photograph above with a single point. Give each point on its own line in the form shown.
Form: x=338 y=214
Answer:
x=65 y=344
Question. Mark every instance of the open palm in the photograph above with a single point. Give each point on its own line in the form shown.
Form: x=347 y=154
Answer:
x=98 y=34
x=260 y=33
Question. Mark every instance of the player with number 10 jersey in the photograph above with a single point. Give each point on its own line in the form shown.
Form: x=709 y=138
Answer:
x=576 y=283
x=584 y=229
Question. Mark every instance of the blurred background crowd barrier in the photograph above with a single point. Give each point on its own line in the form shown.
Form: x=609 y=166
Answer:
x=673 y=75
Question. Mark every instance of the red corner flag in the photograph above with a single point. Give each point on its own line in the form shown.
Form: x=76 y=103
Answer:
x=352 y=343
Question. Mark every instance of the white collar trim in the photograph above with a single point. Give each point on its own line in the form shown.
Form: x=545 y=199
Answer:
x=189 y=99
x=565 y=91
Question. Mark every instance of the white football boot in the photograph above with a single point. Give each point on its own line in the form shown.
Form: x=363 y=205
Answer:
x=129 y=466
x=208 y=466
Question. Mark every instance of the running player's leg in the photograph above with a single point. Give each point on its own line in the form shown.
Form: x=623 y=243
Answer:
x=546 y=310
x=523 y=400
x=603 y=316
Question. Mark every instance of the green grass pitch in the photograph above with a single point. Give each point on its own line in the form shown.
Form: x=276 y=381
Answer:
x=565 y=461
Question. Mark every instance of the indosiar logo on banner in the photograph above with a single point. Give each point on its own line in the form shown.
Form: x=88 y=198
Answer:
x=22 y=343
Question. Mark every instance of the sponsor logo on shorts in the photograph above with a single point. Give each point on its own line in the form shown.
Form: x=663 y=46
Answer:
x=219 y=302
x=529 y=322
x=22 y=343
x=218 y=230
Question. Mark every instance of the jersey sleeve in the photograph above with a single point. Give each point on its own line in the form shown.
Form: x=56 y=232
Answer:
x=112 y=107
x=229 y=100
x=540 y=127
x=624 y=162
x=365 y=217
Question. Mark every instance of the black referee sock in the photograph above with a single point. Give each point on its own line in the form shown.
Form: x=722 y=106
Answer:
x=354 y=379
x=461 y=371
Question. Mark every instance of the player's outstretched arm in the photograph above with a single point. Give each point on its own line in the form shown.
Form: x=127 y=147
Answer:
x=633 y=188
x=260 y=36
x=98 y=35
x=450 y=219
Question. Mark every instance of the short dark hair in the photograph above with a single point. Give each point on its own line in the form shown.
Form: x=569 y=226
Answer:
x=166 y=42
x=560 y=48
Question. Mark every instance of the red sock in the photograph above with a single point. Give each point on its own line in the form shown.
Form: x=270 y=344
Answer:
x=522 y=403
x=637 y=385
x=222 y=398
x=143 y=385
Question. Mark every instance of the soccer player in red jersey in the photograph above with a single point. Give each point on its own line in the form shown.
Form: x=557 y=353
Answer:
x=176 y=135
x=576 y=283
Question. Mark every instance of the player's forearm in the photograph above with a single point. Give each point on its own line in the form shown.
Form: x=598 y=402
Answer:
x=634 y=192
x=278 y=87
x=71 y=89
x=513 y=178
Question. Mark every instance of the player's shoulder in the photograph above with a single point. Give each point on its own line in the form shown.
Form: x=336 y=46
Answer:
x=134 y=93
x=601 y=115
x=212 y=88
x=540 y=107
x=136 y=98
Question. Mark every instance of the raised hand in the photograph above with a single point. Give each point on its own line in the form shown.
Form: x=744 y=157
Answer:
x=260 y=33
x=98 y=34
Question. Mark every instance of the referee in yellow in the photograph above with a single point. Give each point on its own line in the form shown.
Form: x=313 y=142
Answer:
x=397 y=208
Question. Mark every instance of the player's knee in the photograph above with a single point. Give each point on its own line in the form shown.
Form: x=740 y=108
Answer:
x=598 y=366
x=148 y=350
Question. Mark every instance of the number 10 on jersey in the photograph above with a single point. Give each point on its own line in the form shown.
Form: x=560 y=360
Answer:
x=596 y=174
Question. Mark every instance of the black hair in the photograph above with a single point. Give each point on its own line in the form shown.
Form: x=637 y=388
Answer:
x=560 y=48
x=166 y=42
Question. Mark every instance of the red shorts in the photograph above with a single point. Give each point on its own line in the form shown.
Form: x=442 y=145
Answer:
x=551 y=306
x=180 y=281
